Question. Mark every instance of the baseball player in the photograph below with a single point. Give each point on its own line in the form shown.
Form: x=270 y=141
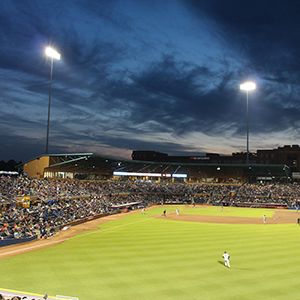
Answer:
x=226 y=259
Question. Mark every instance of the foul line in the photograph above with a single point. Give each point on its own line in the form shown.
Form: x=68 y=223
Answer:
x=76 y=236
x=102 y=230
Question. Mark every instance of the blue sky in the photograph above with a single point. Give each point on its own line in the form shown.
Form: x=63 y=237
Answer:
x=160 y=75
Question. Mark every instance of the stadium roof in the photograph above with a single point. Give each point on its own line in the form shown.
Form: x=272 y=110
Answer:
x=108 y=165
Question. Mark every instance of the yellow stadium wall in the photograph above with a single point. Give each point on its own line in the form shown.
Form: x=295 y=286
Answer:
x=36 y=167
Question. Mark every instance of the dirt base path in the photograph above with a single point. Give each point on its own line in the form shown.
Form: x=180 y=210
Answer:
x=279 y=217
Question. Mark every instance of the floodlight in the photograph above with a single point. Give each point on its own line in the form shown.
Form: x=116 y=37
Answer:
x=247 y=86
x=52 y=53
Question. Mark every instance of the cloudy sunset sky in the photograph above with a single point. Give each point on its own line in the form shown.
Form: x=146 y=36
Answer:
x=160 y=75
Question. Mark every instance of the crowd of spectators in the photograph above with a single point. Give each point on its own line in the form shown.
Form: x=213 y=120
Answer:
x=56 y=203
x=270 y=190
x=45 y=217
x=262 y=195
x=21 y=298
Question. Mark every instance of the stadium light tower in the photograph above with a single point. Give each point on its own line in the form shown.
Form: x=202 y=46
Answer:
x=248 y=86
x=52 y=54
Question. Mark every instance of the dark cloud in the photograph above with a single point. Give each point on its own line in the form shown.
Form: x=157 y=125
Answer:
x=151 y=75
x=266 y=32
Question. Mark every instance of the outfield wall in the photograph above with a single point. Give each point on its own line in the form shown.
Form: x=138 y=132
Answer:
x=9 y=242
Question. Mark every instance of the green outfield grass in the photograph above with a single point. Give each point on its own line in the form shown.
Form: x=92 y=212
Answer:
x=142 y=257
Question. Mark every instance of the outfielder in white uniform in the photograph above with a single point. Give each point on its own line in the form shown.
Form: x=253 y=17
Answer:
x=226 y=259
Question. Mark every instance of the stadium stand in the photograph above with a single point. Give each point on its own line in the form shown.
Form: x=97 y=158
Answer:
x=38 y=208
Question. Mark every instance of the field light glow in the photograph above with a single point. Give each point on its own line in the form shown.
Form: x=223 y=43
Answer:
x=52 y=53
x=117 y=173
x=179 y=175
x=248 y=86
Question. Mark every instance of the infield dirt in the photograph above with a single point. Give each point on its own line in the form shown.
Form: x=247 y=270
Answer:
x=279 y=217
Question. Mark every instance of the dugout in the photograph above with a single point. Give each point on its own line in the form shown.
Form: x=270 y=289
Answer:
x=128 y=206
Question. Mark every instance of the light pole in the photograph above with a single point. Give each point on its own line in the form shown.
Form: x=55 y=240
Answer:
x=52 y=54
x=248 y=86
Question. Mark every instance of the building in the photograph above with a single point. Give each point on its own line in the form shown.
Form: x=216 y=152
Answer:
x=288 y=155
x=149 y=156
x=208 y=158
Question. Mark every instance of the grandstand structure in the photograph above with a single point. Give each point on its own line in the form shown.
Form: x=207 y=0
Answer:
x=102 y=167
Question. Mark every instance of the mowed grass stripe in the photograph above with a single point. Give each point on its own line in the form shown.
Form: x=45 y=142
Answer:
x=162 y=259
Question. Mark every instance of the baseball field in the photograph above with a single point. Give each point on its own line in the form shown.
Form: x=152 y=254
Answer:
x=137 y=256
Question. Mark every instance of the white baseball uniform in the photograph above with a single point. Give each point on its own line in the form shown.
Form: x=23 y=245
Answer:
x=226 y=259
